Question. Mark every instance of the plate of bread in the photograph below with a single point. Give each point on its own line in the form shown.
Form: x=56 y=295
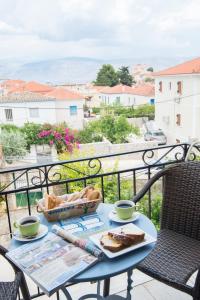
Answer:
x=121 y=240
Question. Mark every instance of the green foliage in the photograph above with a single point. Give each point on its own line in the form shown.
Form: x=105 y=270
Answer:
x=107 y=76
x=89 y=134
x=31 y=131
x=124 y=76
x=148 y=79
x=145 y=110
x=14 y=144
x=150 y=69
x=156 y=203
x=96 y=110
x=115 y=129
x=9 y=127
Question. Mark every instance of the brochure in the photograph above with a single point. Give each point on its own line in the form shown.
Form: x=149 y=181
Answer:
x=86 y=225
x=51 y=262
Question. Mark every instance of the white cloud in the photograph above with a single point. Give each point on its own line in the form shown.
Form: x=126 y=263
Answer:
x=42 y=29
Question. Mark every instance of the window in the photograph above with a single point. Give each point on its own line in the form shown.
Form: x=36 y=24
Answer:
x=152 y=101
x=34 y=112
x=170 y=85
x=179 y=87
x=178 y=119
x=9 y=114
x=160 y=87
x=73 y=110
x=117 y=100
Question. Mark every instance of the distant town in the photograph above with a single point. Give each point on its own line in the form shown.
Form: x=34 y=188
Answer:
x=159 y=107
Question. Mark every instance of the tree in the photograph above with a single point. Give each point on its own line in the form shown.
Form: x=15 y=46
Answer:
x=14 y=144
x=115 y=129
x=150 y=69
x=148 y=79
x=30 y=131
x=124 y=76
x=107 y=76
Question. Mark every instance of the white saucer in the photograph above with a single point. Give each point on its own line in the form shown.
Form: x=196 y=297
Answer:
x=114 y=217
x=43 y=230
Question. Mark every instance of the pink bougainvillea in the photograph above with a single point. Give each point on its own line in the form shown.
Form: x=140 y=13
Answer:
x=63 y=140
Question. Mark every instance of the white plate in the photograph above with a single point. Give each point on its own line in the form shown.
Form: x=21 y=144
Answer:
x=114 y=217
x=43 y=230
x=148 y=239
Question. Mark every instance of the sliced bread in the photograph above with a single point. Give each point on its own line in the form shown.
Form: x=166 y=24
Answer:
x=110 y=244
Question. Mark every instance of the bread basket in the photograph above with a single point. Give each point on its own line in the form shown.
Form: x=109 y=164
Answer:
x=71 y=210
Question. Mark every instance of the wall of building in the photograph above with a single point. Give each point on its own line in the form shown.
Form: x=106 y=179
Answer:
x=63 y=113
x=169 y=104
x=21 y=112
x=125 y=99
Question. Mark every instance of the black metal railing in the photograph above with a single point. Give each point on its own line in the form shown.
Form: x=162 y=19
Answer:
x=134 y=168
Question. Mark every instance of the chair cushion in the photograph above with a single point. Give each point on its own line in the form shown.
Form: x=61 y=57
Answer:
x=173 y=260
x=8 y=291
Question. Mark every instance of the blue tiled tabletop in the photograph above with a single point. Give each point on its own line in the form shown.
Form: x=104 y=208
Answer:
x=110 y=267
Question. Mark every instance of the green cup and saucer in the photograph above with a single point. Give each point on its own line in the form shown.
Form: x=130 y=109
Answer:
x=124 y=212
x=29 y=229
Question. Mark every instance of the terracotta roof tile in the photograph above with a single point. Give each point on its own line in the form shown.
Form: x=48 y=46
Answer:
x=117 y=89
x=188 y=67
x=31 y=86
x=64 y=94
x=24 y=97
x=142 y=90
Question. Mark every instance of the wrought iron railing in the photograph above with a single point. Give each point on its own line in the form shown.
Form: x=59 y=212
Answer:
x=69 y=175
x=118 y=175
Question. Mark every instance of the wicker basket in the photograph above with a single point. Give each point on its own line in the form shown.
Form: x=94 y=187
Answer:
x=69 y=211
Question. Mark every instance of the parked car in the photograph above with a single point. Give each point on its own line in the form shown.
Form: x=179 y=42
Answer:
x=156 y=135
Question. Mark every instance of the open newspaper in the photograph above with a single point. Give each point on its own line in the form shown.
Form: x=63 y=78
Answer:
x=51 y=262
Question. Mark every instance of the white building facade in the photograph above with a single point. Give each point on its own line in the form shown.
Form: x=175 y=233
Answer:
x=28 y=107
x=128 y=96
x=177 y=102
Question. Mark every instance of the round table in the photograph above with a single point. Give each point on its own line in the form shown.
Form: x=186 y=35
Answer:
x=108 y=268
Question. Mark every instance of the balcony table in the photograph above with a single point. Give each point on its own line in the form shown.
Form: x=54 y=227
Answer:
x=108 y=268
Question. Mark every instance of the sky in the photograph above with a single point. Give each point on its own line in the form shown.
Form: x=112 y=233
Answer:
x=35 y=30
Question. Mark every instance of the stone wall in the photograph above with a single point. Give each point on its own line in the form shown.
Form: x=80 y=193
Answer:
x=106 y=148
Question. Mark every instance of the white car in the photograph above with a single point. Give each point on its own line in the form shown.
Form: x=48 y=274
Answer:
x=156 y=135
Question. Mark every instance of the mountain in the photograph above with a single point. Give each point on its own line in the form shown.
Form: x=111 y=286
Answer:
x=74 y=69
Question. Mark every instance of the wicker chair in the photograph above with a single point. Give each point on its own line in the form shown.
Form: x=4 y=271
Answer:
x=176 y=255
x=10 y=290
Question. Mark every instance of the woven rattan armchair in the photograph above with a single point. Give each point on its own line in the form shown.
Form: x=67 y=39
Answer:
x=176 y=255
x=10 y=290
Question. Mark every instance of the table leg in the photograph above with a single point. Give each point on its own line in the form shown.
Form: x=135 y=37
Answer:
x=66 y=293
x=106 y=287
x=129 y=286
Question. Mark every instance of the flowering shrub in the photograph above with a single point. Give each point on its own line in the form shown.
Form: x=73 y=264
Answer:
x=62 y=138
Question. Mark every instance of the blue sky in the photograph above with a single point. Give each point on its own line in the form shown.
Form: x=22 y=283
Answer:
x=46 y=29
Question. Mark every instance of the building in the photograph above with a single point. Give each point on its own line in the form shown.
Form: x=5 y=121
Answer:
x=140 y=73
x=128 y=96
x=20 y=86
x=55 y=106
x=177 y=109
x=90 y=92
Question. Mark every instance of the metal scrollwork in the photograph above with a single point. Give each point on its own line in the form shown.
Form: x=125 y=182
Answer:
x=37 y=180
x=148 y=154
x=168 y=155
x=95 y=163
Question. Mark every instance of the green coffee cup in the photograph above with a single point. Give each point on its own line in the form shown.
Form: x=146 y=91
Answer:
x=28 y=226
x=124 y=209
